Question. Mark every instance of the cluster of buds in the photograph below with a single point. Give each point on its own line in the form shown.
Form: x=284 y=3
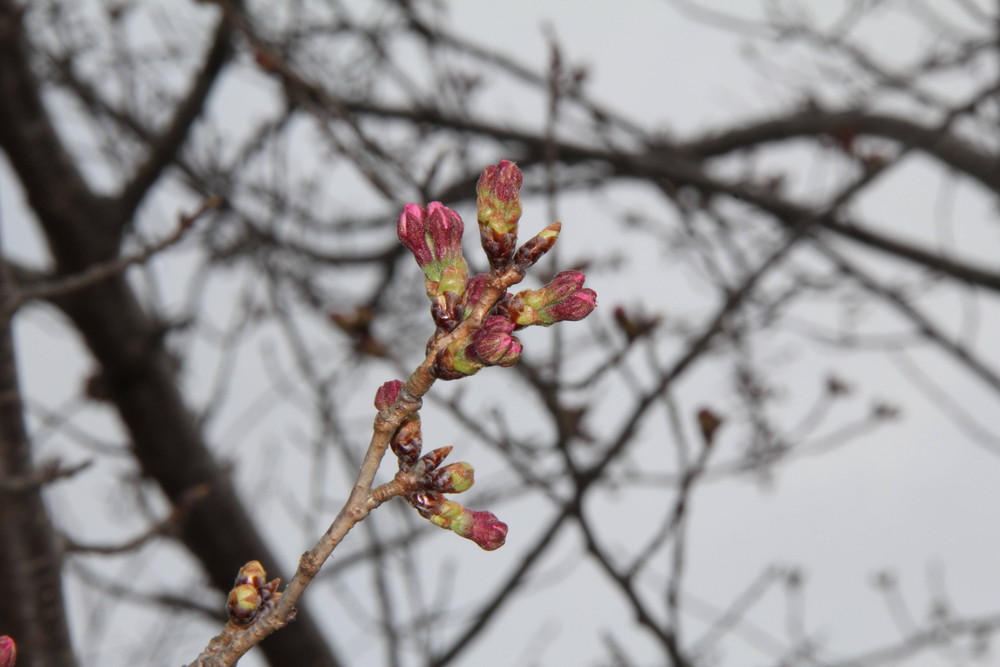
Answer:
x=424 y=482
x=434 y=236
x=251 y=593
x=8 y=651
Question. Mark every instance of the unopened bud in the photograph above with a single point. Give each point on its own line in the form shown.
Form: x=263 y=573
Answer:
x=473 y=292
x=252 y=573
x=498 y=200
x=536 y=247
x=243 y=603
x=434 y=236
x=452 y=363
x=453 y=478
x=432 y=459
x=407 y=442
x=498 y=207
x=563 y=299
x=574 y=307
x=483 y=528
x=8 y=651
x=561 y=286
x=493 y=344
x=387 y=394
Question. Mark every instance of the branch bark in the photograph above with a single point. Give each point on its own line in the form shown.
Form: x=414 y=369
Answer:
x=30 y=560
x=126 y=342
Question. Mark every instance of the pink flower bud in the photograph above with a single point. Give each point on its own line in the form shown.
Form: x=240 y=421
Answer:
x=483 y=528
x=8 y=651
x=498 y=211
x=561 y=286
x=563 y=299
x=574 y=307
x=444 y=233
x=387 y=394
x=474 y=290
x=498 y=201
x=493 y=344
x=434 y=236
x=453 y=478
x=410 y=230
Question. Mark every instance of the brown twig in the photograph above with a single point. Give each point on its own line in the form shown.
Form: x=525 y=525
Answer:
x=229 y=646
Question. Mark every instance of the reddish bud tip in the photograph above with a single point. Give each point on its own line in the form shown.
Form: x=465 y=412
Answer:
x=498 y=206
x=8 y=651
x=410 y=230
x=483 y=528
x=563 y=299
x=493 y=344
x=502 y=182
x=387 y=394
x=574 y=307
x=434 y=236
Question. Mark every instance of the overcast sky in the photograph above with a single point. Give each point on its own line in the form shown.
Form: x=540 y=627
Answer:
x=917 y=497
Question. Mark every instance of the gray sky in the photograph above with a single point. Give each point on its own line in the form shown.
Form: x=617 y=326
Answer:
x=916 y=497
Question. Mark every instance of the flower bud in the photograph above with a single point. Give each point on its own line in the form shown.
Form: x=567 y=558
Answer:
x=252 y=573
x=564 y=298
x=434 y=236
x=445 y=512
x=536 y=247
x=453 y=478
x=493 y=344
x=410 y=230
x=432 y=459
x=8 y=651
x=561 y=286
x=407 y=442
x=453 y=363
x=243 y=603
x=498 y=199
x=498 y=206
x=473 y=292
x=574 y=307
x=387 y=394
x=483 y=528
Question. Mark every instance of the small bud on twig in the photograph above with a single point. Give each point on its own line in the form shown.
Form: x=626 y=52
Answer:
x=498 y=206
x=387 y=394
x=562 y=299
x=243 y=603
x=536 y=247
x=8 y=651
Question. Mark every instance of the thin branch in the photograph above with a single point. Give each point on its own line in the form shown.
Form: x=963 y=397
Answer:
x=60 y=287
x=227 y=648
x=42 y=475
